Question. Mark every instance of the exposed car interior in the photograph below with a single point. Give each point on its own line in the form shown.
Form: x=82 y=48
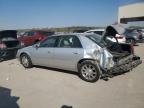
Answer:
x=119 y=50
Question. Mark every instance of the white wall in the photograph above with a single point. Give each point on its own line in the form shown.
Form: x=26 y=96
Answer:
x=132 y=10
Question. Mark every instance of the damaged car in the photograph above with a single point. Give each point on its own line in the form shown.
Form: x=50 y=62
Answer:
x=91 y=55
x=8 y=44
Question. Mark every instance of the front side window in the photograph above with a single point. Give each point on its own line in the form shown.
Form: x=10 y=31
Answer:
x=49 y=42
x=69 y=42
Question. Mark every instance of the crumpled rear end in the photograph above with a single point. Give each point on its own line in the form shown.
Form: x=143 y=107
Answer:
x=101 y=55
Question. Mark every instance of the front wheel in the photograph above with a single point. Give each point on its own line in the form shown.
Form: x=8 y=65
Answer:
x=89 y=71
x=25 y=61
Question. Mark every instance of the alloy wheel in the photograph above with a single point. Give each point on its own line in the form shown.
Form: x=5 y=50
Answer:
x=88 y=72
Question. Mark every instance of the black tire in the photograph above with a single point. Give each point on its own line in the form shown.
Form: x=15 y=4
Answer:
x=93 y=75
x=25 y=61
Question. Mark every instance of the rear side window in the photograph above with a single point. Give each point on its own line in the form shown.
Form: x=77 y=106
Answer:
x=69 y=42
x=98 y=32
x=96 y=39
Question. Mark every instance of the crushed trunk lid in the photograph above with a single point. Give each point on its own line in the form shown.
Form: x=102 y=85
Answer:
x=8 y=33
x=112 y=30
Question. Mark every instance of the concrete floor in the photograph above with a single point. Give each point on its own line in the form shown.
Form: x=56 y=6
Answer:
x=48 y=88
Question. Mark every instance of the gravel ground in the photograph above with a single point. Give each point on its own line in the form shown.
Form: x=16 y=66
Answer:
x=48 y=88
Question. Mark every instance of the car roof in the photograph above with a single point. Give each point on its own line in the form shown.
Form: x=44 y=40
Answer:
x=76 y=34
x=95 y=30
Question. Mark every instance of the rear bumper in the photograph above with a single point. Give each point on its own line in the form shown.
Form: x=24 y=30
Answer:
x=126 y=64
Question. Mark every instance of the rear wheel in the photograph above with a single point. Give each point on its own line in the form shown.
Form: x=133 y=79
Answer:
x=89 y=71
x=26 y=61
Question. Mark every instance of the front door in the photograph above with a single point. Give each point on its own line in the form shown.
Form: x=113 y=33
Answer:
x=44 y=54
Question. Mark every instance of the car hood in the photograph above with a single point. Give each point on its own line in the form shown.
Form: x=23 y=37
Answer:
x=112 y=30
x=8 y=33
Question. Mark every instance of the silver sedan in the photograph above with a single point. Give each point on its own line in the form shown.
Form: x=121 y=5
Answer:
x=83 y=53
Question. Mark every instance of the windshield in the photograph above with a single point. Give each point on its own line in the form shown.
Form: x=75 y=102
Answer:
x=97 y=39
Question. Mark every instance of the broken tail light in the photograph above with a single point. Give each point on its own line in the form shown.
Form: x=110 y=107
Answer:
x=119 y=36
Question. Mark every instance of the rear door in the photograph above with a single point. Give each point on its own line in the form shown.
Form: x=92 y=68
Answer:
x=68 y=52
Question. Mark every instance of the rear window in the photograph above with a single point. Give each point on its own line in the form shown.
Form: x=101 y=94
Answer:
x=97 y=39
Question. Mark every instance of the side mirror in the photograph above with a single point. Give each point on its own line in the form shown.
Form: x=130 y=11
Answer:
x=36 y=45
